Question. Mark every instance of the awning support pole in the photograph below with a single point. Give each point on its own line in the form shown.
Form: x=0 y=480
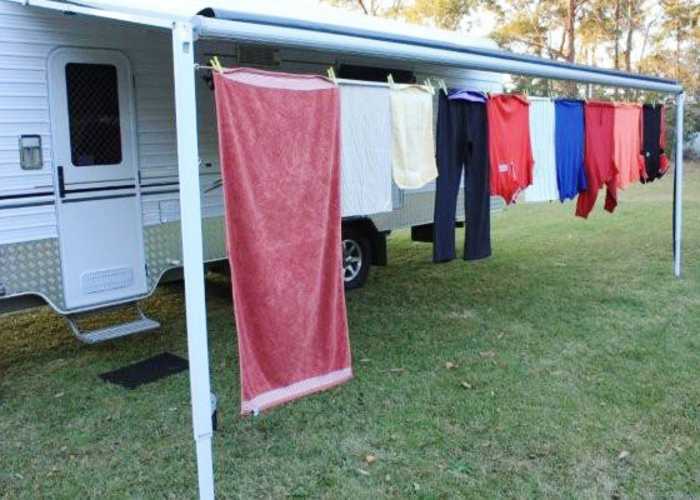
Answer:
x=192 y=251
x=678 y=189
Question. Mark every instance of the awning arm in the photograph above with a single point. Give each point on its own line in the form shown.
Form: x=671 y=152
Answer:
x=192 y=251
x=678 y=189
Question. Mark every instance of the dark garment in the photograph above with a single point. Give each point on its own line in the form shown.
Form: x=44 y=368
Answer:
x=462 y=143
x=652 y=151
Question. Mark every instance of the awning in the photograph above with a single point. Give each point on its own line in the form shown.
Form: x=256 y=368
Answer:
x=345 y=39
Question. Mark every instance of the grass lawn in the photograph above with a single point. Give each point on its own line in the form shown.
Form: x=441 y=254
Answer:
x=576 y=374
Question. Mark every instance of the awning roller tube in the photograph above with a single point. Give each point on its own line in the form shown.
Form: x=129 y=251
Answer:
x=412 y=49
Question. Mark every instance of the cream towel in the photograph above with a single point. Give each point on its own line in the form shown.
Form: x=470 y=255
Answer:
x=413 y=147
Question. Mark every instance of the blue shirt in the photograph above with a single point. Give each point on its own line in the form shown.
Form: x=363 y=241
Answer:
x=569 y=140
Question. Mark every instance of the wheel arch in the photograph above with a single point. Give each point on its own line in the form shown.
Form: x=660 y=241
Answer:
x=366 y=227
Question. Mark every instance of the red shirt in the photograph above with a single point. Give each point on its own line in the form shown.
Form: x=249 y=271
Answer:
x=600 y=157
x=510 y=152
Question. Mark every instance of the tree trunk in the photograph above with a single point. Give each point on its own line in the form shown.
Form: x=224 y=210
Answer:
x=616 y=33
x=561 y=45
x=678 y=54
x=571 y=31
x=571 y=39
x=630 y=36
x=643 y=54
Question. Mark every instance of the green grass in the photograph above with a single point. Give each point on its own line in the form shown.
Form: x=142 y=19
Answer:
x=575 y=342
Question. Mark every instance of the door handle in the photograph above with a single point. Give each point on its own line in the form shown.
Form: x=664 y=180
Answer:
x=61 y=182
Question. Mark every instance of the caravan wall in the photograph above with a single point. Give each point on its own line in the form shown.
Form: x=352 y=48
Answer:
x=30 y=253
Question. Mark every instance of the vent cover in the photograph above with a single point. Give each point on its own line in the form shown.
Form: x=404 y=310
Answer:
x=107 y=279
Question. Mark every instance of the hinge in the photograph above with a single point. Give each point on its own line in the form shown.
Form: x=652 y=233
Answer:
x=146 y=269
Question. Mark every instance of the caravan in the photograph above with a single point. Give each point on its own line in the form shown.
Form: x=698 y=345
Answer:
x=89 y=191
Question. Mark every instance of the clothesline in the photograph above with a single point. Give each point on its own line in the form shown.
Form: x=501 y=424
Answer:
x=431 y=81
x=565 y=191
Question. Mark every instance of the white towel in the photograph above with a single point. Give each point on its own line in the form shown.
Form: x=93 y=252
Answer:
x=366 y=149
x=413 y=148
x=544 y=179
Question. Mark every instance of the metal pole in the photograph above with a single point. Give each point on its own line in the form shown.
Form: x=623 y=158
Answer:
x=191 y=222
x=678 y=189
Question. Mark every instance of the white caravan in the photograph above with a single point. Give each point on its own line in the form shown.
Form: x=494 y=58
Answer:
x=89 y=205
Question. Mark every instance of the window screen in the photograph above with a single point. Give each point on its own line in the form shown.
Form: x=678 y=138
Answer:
x=93 y=113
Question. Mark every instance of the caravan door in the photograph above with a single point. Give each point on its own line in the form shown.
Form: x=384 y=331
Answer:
x=96 y=174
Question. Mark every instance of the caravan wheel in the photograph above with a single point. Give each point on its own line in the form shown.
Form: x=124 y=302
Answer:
x=356 y=260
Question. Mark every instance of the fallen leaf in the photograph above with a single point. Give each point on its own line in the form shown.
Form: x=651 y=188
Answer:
x=487 y=354
x=363 y=472
x=416 y=486
x=450 y=365
x=466 y=385
x=397 y=370
x=364 y=360
x=370 y=459
x=623 y=455
x=59 y=395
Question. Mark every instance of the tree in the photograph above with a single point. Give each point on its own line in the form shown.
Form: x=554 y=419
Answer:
x=371 y=7
x=680 y=22
x=658 y=37
x=446 y=14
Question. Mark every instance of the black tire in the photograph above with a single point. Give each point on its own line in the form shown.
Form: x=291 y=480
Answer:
x=355 y=246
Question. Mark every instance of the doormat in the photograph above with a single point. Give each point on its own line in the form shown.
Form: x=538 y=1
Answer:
x=146 y=371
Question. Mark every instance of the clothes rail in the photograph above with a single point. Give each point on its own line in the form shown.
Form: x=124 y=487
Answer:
x=340 y=81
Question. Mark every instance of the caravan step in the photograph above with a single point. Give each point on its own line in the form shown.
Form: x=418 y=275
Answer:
x=140 y=325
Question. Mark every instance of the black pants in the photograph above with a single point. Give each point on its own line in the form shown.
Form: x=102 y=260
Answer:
x=651 y=130
x=462 y=144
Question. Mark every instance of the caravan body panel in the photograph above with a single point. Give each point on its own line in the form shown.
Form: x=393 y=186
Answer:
x=34 y=259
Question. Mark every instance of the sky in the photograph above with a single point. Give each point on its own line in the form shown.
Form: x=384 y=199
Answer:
x=482 y=22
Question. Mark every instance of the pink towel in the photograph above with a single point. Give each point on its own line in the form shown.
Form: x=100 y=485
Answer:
x=279 y=144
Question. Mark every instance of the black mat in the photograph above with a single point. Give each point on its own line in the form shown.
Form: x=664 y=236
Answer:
x=146 y=371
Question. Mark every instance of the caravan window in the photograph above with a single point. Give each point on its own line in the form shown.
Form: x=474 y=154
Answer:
x=375 y=74
x=93 y=114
